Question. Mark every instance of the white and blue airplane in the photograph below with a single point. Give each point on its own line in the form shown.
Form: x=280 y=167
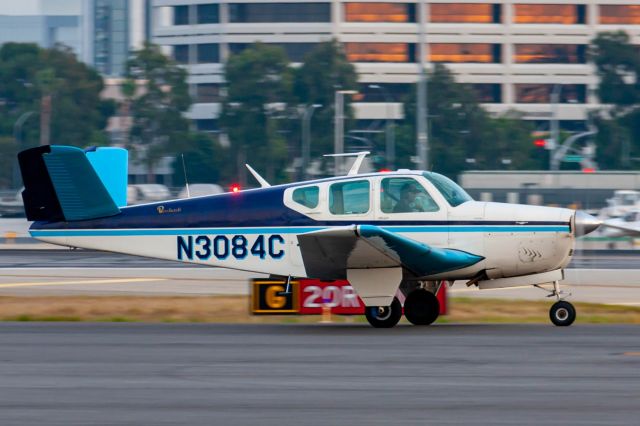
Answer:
x=383 y=232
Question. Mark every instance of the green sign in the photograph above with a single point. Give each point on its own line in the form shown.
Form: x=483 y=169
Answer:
x=573 y=158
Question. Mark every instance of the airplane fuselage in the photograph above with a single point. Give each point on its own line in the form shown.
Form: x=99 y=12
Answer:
x=257 y=230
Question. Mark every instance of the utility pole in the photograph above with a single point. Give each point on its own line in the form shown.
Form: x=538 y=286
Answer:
x=389 y=128
x=554 y=128
x=46 y=81
x=422 y=130
x=338 y=135
x=306 y=137
x=17 y=135
x=45 y=119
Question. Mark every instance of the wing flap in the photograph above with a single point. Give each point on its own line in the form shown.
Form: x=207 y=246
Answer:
x=329 y=253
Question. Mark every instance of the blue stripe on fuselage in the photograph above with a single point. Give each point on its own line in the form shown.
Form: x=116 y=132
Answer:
x=280 y=230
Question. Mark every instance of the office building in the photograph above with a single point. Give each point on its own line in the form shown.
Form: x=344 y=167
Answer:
x=512 y=52
x=100 y=32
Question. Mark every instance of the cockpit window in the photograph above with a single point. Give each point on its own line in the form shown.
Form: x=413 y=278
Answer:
x=308 y=196
x=405 y=195
x=450 y=190
x=349 y=197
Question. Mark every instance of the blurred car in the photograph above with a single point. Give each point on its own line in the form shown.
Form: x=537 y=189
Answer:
x=200 y=189
x=147 y=193
x=11 y=205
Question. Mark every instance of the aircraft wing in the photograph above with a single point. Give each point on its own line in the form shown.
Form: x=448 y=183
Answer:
x=328 y=254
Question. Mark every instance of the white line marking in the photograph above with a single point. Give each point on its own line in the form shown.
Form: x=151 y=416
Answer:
x=625 y=304
x=51 y=283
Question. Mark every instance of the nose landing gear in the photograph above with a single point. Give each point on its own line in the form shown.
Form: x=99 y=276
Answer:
x=562 y=313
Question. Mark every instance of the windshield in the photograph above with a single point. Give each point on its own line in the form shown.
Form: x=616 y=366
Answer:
x=450 y=190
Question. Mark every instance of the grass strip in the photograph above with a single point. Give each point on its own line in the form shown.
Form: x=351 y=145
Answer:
x=235 y=309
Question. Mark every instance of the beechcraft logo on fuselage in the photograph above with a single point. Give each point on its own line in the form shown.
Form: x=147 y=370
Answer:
x=164 y=210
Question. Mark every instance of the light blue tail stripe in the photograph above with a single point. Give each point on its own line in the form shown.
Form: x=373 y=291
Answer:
x=281 y=230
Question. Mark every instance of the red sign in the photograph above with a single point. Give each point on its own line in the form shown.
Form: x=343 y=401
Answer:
x=337 y=295
x=309 y=297
x=341 y=298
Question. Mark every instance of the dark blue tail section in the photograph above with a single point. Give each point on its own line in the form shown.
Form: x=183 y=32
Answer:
x=61 y=185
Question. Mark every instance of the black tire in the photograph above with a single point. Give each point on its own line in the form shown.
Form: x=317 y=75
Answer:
x=386 y=317
x=421 y=307
x=562 y=314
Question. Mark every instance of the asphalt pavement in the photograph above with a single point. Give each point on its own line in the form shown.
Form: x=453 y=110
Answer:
x=195 y=374
x=66 y=258
x=82 y=272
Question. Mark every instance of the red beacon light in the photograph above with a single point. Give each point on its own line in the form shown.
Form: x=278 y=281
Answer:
x=588 y=170
x=235 y=187
x=384 y=171
x=540 y=143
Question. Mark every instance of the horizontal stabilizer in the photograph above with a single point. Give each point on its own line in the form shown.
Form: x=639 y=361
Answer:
x=327 y=254
x=60 y=184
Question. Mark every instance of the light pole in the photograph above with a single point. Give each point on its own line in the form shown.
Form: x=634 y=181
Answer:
x=422 y=139
x=17 y=135
x=554 y=128
x=390 y=146
x=306 y=136
x=338 y=141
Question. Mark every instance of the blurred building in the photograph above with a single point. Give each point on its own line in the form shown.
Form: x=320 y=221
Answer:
x=100 y=32
x=560 y=188
x=45 y=23
x=512 y=52
x=117 y=27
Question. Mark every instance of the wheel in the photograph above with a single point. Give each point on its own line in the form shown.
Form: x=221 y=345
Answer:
x=384 y=316
x=562 y=313
x=421 y=307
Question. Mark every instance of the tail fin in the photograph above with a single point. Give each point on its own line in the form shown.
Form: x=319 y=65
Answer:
x=61 y=185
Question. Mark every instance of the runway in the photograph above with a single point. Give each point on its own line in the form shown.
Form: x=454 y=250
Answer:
x=80 y=272
x=64 y=258
x=116 y=374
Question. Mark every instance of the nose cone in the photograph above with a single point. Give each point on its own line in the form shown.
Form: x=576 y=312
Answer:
x=585 y=223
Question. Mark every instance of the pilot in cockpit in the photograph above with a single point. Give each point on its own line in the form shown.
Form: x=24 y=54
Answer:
x=408 y=200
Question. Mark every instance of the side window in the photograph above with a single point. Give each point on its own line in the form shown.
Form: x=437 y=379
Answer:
x=349 y=197
x=405 y=195
x=308 y=196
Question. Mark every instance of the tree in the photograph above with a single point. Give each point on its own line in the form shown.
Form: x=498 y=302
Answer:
x=462 y=134
x=324 y=70
x=204 y=159
x=255 y=109
x=618 y=67
x=29 y=74
x=159 y=126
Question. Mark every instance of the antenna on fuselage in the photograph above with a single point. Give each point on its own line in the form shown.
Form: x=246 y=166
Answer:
x=263 y=183
x=355 y=168
x=186 y=181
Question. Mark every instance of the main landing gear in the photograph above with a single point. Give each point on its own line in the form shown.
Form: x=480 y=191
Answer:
x=421 y=307
x=562 y=313
x=384 y=316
